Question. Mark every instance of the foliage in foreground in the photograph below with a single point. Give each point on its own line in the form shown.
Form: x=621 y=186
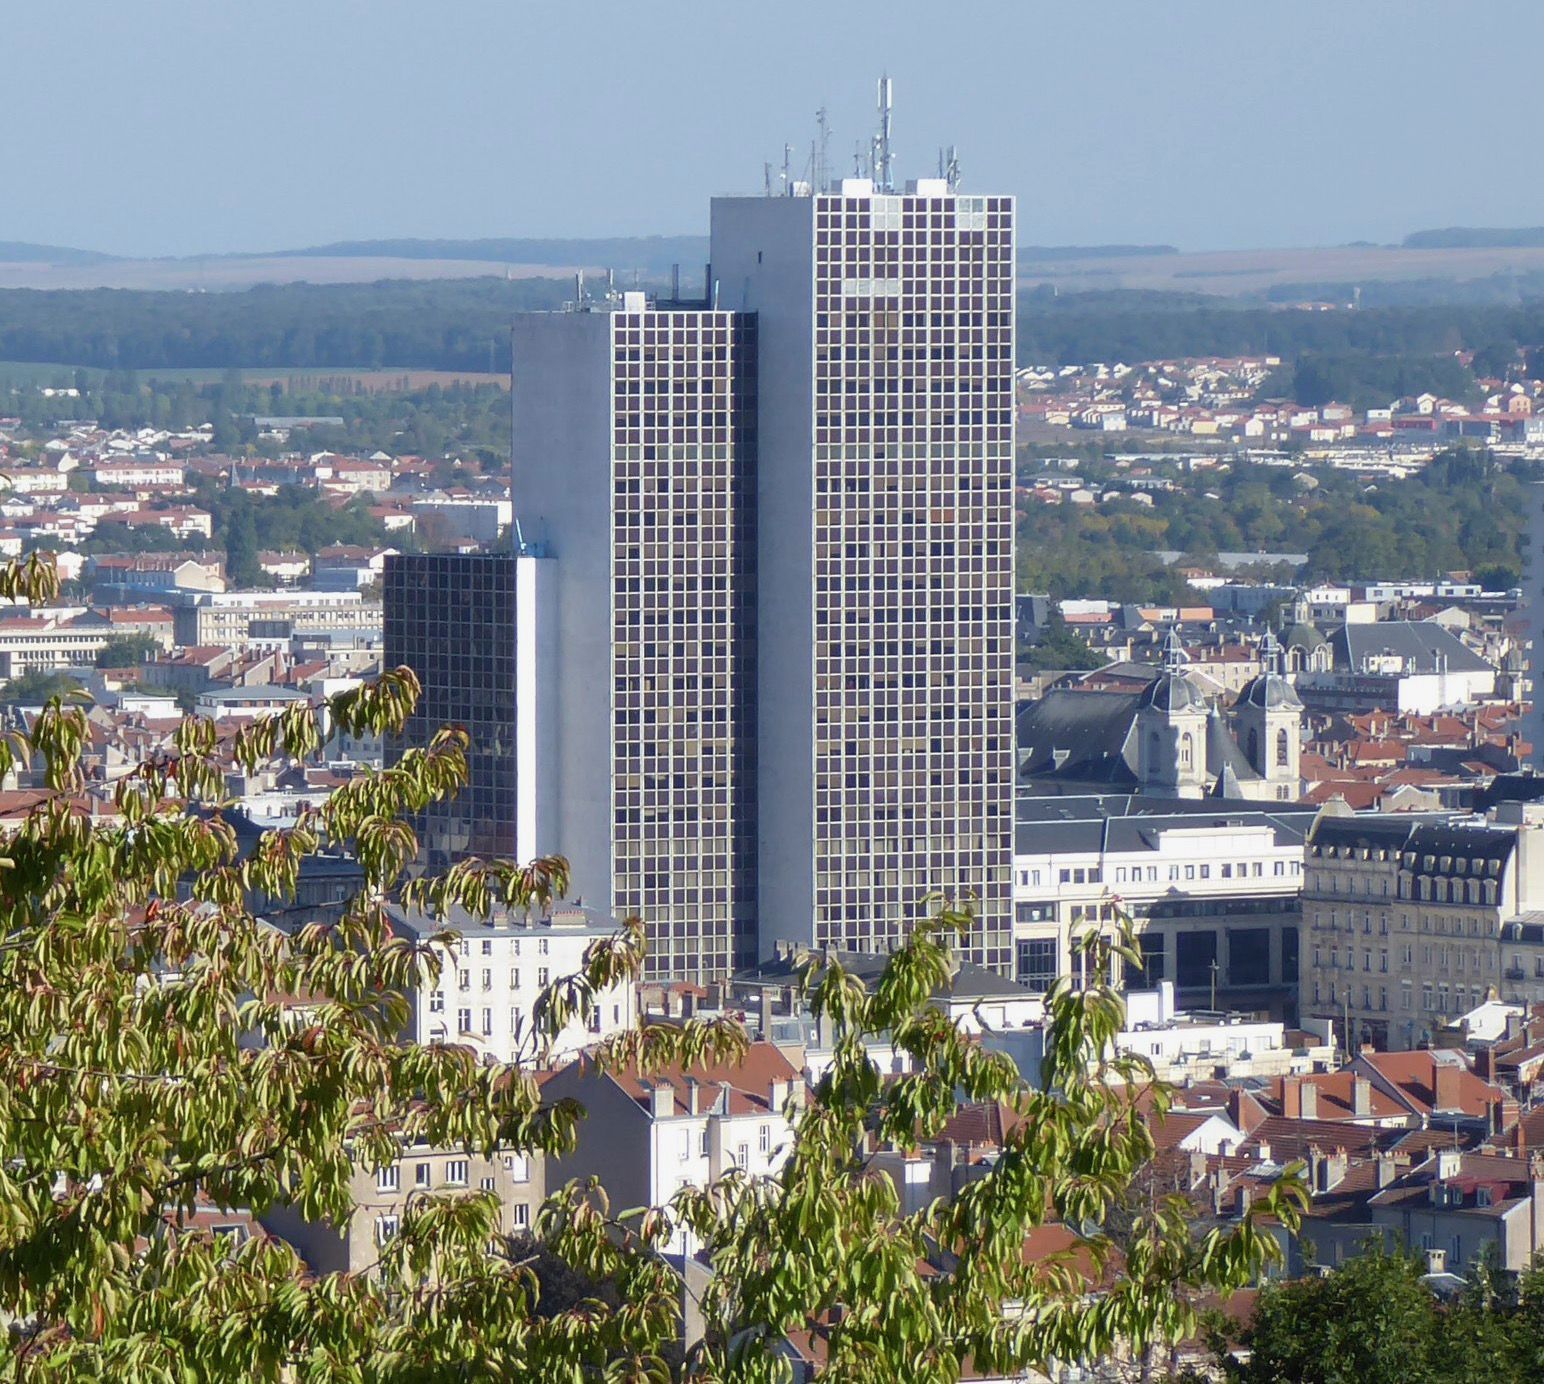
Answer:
x=160 y=1046
x=1375 y=1322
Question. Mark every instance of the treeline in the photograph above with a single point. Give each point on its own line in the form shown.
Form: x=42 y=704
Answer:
x=450 y=324
x=1369 y=381
x=467 y=419
x=1463 y=512
x=1475 y=237
x=1074 y=329
x=463 y=324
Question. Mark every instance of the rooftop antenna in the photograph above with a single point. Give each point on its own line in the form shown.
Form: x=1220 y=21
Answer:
x=766 y=173
x=579 y=288
x=787 y=171
x=857 y=160
x=882 y=142
x=951 y=170
x=822 y=145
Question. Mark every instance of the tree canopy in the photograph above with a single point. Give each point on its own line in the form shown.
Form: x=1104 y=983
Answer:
x=164 y=1048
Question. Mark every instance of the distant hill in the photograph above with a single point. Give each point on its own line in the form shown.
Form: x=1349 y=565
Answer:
x=652 y=253
x=1079 y=252
x=24 y=252
x=1475 y=238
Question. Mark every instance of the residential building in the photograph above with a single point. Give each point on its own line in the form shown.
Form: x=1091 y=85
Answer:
x=1182 y=1047
x=272 y=618
x=1459 y=1209
x=1397 y=665
x=486 y=993
x=646 y=1138
x=884 y=521
x=49 y=638
x=450 y=617
x=1210 y=887
x=146 y=474
x=139 y=574
x=380 y=1199
x=346 y=567
x=634 y=446
x=1409 y=921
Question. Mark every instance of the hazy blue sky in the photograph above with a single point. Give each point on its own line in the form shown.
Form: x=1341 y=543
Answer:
x=174 y=126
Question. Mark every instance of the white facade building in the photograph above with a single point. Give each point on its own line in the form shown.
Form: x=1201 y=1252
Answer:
x=1182 y=1046
x=1211 y=889
x=646 y=1138
x=488 y=987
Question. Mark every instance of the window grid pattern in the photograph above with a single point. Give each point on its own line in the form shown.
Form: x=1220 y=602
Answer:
x=913 y=551
x=683 y=636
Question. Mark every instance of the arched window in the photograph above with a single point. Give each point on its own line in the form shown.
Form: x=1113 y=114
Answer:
x=1254 y=747
x=1283 y=749
x=1154 y=748
x=1186 y=751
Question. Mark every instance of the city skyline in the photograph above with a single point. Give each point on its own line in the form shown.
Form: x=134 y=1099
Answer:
x=1201 y=128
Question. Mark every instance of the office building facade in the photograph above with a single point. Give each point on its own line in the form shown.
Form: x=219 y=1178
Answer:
x=884 y=515
x=450 y=617
x=634 y=462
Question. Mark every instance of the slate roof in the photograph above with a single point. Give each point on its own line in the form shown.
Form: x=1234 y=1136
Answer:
x=1090 y=728
x=1419 y=642
x=970 y=981
x=1131 y=822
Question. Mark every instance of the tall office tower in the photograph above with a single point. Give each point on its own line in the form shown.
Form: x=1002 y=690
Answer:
x=450 y=617
x=884 y=502
x=634 y=447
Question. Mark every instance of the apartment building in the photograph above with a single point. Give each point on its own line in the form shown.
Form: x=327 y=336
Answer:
x=380 y=1200
x=488 y=987
x=1410 y=922
x=648 y=1137
x=1210 y=887
x=271 y=618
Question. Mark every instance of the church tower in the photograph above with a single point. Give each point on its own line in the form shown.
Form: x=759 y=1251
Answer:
x=1171 y=730
x=1270 y=724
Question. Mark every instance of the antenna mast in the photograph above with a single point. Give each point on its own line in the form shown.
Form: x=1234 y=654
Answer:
x=882 y=178
x=822 y=144
x=787 y=170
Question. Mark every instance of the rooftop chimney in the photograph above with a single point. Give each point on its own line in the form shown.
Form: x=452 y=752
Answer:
x=1309 y=1095
x=1361 y=1096
x=662 y=1100
x=691 y=1095
x=1446 y=1081
x=1292 y=1097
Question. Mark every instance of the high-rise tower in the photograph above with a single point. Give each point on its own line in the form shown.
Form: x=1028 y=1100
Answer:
x=634 y=456
x=884 y=515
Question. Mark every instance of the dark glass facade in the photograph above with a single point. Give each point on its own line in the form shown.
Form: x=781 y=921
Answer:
x=450 y=617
